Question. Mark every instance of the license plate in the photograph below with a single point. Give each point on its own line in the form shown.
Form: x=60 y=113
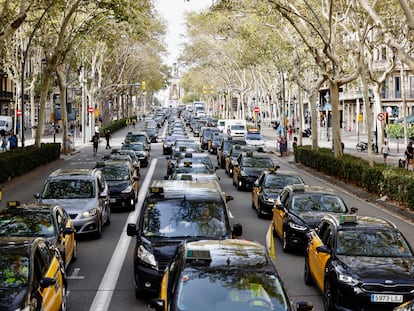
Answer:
x=113 y=200
x=386 y=298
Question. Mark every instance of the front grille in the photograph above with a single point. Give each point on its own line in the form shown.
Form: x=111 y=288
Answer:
x=383 y=288
x=163 y=263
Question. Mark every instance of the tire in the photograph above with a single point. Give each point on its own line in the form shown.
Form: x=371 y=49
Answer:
x=253 y=207
x=75 y=251
x=108 y=220
x=285 y=243
x=328 y=297
x=98 y=233
x=64 y=304
x=307 y=275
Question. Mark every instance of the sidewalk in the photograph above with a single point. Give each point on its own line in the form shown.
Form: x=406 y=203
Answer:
x=350 y=140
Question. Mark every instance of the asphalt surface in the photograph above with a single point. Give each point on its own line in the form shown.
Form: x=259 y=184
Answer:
x=350 y=140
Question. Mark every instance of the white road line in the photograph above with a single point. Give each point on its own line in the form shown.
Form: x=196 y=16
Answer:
x=106 y=288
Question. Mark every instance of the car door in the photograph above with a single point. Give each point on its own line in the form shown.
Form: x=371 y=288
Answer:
x=66 y=240
x=256 y=190
x=280 y=212
x=47 y=264
x=317 y=260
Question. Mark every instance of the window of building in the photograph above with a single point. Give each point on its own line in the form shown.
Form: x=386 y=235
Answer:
x=384 y=53
x=411 y=90
x=384 y=89
x=397 y=87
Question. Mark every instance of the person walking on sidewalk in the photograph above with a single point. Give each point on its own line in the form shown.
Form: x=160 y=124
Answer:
x=409 y=155
x=95 y=141
x=107 y=137
x=385 y=149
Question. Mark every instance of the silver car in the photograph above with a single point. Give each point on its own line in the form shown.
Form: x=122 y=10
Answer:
x=84 y=194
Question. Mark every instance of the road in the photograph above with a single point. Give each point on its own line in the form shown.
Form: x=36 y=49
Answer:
x=102 y=276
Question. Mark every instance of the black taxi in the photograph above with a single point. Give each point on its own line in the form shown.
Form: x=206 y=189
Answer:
x=267 y=187
x=359 y=263
x=248 y=166
x=32 y=275
x=211 y=275
x=41 y=220
x=175 y=211
x=299 y=208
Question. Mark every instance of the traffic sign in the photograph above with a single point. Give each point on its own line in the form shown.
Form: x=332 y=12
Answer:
x=91 y=109
x=19 y=112
x=256 y=109
x=380 y=116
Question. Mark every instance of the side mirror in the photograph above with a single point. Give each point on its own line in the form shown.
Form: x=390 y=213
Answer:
x=304 y=306
x=157 y=304
x=323 y=249
x=354 y=210
x=229 y=198
x=37 y=195
x=68 y=231
x=132 y=230
x=237 y=230
x=46 y=282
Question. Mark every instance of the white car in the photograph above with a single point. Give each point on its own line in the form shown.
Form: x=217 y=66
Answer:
x=255 y=139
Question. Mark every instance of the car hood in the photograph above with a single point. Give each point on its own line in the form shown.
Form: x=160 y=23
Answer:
x=74 y=205
x=255 y=142
x=254 y=171
x=12 y=298
x=272 y=192
x=117 y=186
x=380 y=269
x=312 y=218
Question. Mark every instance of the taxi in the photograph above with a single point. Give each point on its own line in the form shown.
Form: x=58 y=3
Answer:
x=267 y=187
x=32 y=275
x=231 y=159
x=223 y=276
x=41 y=220
x=359 y=263
x=175 y=211
x=299 y=208
x=223 y=149
x=248 y=166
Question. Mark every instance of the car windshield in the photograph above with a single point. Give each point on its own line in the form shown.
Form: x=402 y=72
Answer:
x=135 y=147
x=115 y=173
x=280 y=181
x=232 y=289
x=199 y=169
x=69 y=189
x=237 y=127
x=14 y=270
x=178 y=218
x=254 y=137
x=318 y=203
x=199 y=160
x=256 y=162
x=373 y=243
x=26 y=223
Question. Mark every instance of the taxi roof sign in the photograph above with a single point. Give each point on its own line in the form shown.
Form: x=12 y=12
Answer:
x=351 y=218
x=13 y=203
x=197 y=256
x=157 y=190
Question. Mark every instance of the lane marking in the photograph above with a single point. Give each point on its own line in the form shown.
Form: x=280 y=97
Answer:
x=106 y=289
x=75 y=275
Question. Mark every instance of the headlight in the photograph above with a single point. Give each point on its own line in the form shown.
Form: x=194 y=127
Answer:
x=268 y=200
x=147 y=257
x=243 y=174
x=127 y=189
x=90 y=213
x=297 y=227
x=348 y=280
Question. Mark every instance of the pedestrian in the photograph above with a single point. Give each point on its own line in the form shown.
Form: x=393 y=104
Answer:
x=134 y=121
x=409 y=155
x=295 y=143
x=12 y=141
x=283 y=146
x=107 y=137
x=4 y=143
x=95 y=141
x=385 y=149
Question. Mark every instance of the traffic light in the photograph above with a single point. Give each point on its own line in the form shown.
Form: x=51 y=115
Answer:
x=212 y=89
x=143 y=86
x=204 y=89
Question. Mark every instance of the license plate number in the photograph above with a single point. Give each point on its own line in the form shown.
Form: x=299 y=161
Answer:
x=113 y=200
x=386 y=298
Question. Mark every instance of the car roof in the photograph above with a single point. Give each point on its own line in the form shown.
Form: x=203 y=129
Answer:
x=229 y=254
x=310 y=189
x=175 y=189
x=33 y=207
x=359 y=221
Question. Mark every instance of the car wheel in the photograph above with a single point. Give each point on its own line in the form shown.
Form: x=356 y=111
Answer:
x=98 y=233
x=307 y=275
x=63 y=305
x=253 y=206
x=108 y=219
x=328 y=297
x=75 y=251
x=285 y=243
x=274 y=230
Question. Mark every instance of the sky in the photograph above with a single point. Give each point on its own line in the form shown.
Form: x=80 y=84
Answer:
x=173 y=12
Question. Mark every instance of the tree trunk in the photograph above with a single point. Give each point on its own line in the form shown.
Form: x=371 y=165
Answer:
x=336 y=126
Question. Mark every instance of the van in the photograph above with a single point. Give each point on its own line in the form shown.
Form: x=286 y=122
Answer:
x=6 y=124
x=236 y=128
